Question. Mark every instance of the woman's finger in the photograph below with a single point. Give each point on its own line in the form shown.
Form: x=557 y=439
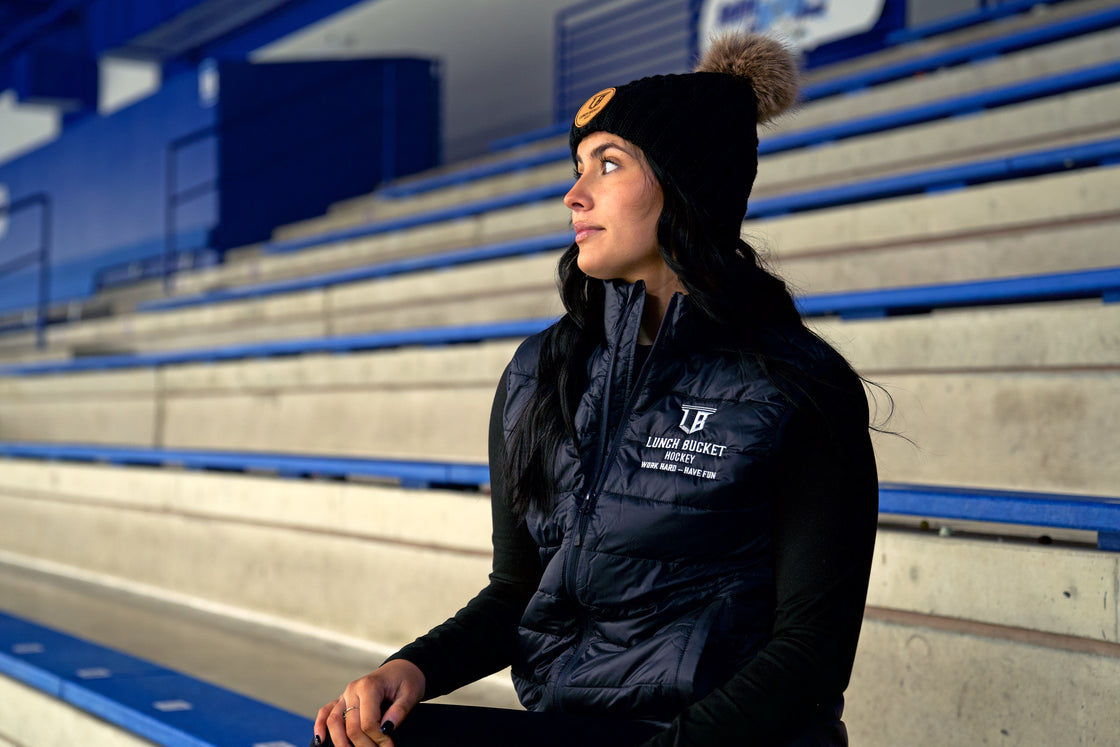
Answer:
x=395 y=714
x=371 y=720
x=405 y=693
x=336 y=724
x=356 y=716
x=359 y=726
x=321 y=720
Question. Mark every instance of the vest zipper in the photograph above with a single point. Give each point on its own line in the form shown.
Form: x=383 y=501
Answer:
x=583 y=510
x=604 y=424
x=605 y=458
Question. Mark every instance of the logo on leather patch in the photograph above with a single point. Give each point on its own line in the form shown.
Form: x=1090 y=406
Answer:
x=593 y=106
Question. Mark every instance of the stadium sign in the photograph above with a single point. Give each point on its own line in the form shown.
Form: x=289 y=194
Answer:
x=805 y=24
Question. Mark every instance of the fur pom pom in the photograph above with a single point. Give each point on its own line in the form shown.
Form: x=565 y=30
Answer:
x=768 y=64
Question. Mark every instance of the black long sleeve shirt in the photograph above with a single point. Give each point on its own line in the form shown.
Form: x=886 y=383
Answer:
x=823 y=540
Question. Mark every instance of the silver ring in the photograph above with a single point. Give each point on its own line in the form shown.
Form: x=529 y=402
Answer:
x=351 y=708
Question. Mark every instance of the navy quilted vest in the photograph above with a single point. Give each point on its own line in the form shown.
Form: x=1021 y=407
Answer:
x=658 y=574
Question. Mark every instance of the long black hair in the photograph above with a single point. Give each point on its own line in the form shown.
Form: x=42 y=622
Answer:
x=725 y=280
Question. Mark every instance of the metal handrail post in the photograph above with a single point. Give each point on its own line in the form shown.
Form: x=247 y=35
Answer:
x=44 y=272
x=176 y=197
x=42 y=255
x=169 y=238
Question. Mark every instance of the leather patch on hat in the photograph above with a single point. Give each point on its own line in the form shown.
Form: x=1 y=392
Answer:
x=593 y=106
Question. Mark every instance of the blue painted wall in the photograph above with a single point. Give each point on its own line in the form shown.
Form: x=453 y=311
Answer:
x=295 y=137
x=104 y=176
x=277 y=143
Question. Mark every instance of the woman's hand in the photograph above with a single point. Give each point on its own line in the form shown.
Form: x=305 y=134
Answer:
x=356 y=715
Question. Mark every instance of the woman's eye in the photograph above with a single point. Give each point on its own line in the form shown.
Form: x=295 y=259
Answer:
x=609 y=166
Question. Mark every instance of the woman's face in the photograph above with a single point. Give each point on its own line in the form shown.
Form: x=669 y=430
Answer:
x=615 y=204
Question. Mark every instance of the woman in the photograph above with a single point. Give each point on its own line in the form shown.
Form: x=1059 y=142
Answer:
x=684 y=491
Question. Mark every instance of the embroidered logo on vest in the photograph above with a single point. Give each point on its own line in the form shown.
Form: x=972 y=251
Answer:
x=699 y=417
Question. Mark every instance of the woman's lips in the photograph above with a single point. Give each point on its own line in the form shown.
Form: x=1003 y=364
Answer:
x=583 y=232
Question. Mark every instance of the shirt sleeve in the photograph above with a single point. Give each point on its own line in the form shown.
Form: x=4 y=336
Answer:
x=825 y=518
x=479 y=640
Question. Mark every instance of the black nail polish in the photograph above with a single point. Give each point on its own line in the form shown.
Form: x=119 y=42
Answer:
x=387 y=727
x=316 y=742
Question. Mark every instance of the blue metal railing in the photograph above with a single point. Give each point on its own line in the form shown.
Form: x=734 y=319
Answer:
x=40 y=256
x=175 y=197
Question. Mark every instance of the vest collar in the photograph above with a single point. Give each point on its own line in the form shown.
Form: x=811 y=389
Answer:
x=622 y=315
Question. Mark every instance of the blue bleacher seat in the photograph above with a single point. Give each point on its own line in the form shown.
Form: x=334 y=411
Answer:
x=150 y=701
x=407 y=473
x=1091 y=513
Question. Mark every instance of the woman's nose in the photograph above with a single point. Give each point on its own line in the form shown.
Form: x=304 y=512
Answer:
x=577 y=198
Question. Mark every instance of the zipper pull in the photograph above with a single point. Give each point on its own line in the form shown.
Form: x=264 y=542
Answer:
x=583 y=506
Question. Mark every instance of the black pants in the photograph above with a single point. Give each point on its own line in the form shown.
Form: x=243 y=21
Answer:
x=437 y=725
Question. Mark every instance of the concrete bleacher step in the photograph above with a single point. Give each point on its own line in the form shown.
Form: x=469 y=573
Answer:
x=988 y=32
x=999 y=253
x=528 y=151
x=1059 y=57
x=959 y=653
x=38 y=718
x=380 y=208
x=1061 y=120
x=1098 y=104
x=1083 y=8
x=1050 y=223
x=986 y=404
x=1032 y=63
x=510 y=222
x=292 y=667
x=269 y=548
x=1006 y=206
x=1039 y=16
x=517 y=288
x=129 y=407
x=1051 y=122
x=921 y=679
x=499 y=225
x=18 y=345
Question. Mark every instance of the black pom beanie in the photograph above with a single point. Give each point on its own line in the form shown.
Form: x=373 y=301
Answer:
x=700 y=127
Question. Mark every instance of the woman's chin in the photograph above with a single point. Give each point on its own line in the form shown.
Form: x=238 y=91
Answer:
x=592 y=269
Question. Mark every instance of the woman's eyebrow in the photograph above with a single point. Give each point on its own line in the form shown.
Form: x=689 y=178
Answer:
x=599 y=150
